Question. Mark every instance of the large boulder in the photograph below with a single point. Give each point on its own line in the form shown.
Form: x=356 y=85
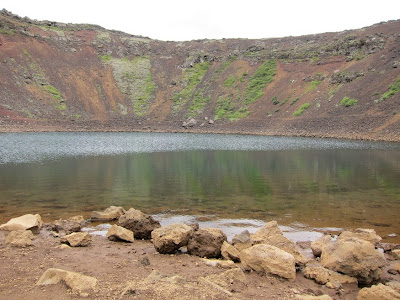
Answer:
x=375 y=292
x=117 y=233
x=269 y=259
x=77 y=239
x=354 y=257
x=141 y=224
x=170 y=238
x=362 y=233
x=78 y=283
x=29 y=221
x=271 y=234
x=206 y=242
x=110 y=213
x=229 y=252
x=318 y=245
x=322 y=275
x=20 y=238
x=396 y=254
x=73 y=224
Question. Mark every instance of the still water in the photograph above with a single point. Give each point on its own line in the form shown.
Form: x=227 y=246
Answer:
x=228 y=181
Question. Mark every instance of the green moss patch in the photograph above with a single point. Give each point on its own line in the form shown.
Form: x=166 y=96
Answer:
x=393 y=90
x=347 y=101
x=191 y=78
x=264 y=74
x=301 y=109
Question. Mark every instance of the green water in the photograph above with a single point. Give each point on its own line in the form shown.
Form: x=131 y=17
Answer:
x=305 y=183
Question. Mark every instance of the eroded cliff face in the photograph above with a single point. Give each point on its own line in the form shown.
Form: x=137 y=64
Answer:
x=83 y=77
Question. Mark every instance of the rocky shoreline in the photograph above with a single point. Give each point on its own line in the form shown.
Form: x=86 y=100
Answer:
x=140 y=259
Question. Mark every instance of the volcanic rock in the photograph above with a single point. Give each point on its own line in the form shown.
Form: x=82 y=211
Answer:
x=354 y=257
x=141 y=224
x=118 y=233
x=20 y=238
x=269 y=259
x=29 y=221
x=170 y=238
x=206 y=242
x=110 y=213
x=77 y=239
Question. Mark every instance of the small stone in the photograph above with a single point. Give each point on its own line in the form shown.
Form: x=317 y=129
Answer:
x=77 y=239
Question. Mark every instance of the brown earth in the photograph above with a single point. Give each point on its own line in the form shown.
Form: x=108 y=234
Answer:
x=68 y=77
x=114 y=264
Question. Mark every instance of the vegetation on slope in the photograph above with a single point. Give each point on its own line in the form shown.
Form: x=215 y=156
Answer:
x=263 y=75
x=393 y=90
x=191 y=78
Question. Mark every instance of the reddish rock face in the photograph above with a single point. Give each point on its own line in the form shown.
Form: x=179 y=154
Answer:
x=83 y=77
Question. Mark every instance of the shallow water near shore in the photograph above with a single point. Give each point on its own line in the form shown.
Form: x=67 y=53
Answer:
x=229 y=181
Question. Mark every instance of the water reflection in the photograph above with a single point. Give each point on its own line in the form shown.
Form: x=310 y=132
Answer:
x=349 y=186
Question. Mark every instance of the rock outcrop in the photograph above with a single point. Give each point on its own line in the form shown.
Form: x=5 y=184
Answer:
x=269 y=259
x=73 y=224
x=322 y=275
x=117 y=233
x=362 y=233
x=109 y=214
x=206 y=242
x=375 y=292
x=29 y=221
x=271 y=234
x=229 y=252
x=170 y=238
x=318 y=245
x=354 y=257
x=140 y=223
x=77 y=239
x=20 y=238
x=78 y=283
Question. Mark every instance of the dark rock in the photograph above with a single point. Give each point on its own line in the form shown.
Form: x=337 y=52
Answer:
x=206 y=242
x=141 y=224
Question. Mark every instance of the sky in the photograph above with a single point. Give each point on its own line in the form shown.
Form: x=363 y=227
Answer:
x=180 y=20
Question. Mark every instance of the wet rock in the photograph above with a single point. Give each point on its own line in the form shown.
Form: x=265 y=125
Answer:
x=224 y=264
x=77 y=282
x=380 y=291
x=170 y=238
x=271 y=234
x=20 y=238
x=206 y=242
x=242 y=240
x=110 y=213
x=322 y=275
x=362 y=233
x=141 y=224
x=73 y=224
x=29 y=221
x=229 y=252
x=318 y=245
x=354 y=257
x=269 y=259
x=77 y=239
x=118 y=233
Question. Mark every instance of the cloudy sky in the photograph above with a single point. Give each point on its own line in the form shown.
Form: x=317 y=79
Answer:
x=213 y=19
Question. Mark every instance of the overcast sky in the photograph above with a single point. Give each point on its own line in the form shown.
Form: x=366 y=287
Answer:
x=213 y=19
